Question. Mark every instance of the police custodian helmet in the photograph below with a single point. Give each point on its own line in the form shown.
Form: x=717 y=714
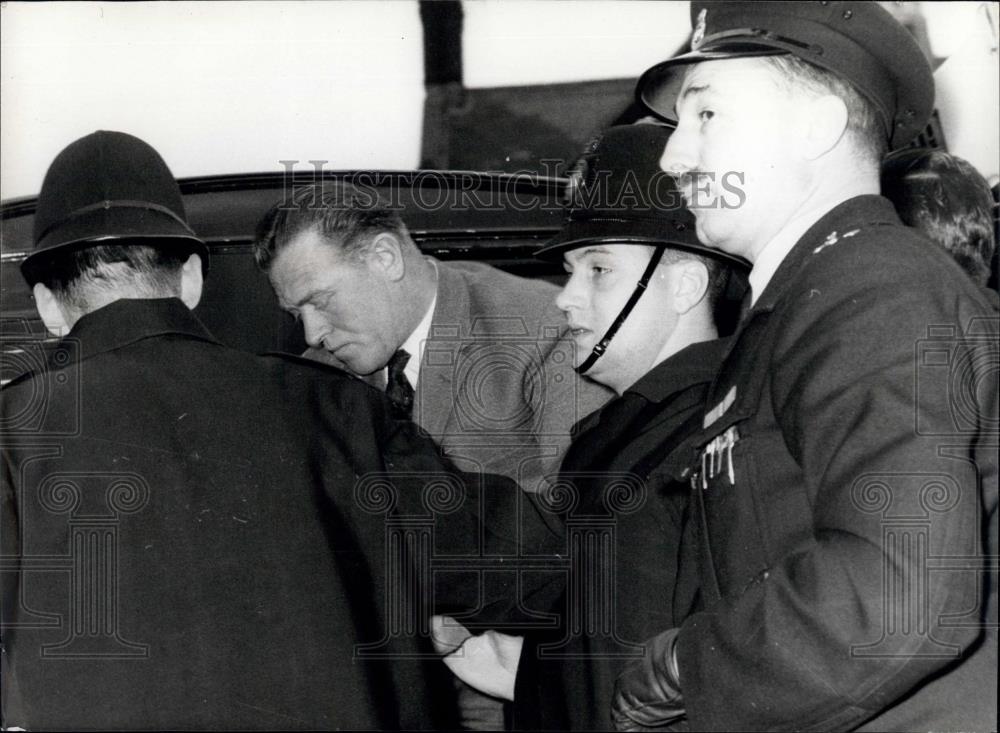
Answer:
x=859 y=41
x=618 y=194
x=109 y=188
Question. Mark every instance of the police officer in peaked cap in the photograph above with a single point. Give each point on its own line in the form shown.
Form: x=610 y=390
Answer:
x=848 y=451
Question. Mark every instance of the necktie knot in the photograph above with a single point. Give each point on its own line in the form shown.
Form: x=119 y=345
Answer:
x=398 y=388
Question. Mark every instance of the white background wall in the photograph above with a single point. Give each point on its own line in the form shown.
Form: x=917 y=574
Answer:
x=234 y=87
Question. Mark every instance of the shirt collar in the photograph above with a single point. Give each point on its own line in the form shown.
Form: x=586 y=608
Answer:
x=774 y=252
x=415 y=342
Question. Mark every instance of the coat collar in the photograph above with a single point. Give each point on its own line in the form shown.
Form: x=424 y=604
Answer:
x=453 y=311
x=125 y=322
x=853 y=214
x=840 y=222
x=692 y=365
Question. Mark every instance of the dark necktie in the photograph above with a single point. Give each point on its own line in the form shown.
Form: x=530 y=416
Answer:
x=398 y=388
x=746 y=304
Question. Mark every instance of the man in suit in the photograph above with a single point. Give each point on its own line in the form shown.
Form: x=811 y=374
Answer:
x=477 y=357
x=640 y=302
x=181 y=544
x=846 y=483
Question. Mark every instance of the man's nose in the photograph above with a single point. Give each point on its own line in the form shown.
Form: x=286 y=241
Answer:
x=678 y=154
x=314 y=329
x=571 y=296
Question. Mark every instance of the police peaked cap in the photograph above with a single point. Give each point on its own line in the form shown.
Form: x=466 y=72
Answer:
x=109 y=188
x=618 y=194
x=859 y=41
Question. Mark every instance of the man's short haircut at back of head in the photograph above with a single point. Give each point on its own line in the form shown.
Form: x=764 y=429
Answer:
x=863 y=121
x=81 y=279
x=947 y=199
x=339 y=212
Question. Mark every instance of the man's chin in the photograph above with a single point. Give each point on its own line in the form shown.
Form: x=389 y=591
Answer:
x=715 y=236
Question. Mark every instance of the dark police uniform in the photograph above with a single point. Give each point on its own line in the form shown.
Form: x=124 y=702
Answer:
x=845 y=486
x=847 y=479
x=169 y=558
x=631 y=438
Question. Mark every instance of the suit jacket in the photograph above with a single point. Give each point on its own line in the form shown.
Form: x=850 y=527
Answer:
x=621 y=464
x=846 y=495
x=183 y=544
x=497 y=390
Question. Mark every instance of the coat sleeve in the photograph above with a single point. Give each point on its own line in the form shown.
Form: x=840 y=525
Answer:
x=849 y=619
x=450 y=518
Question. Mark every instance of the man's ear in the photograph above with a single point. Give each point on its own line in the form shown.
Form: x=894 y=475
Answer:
x=385 y=254
x=192 y=281
x=51 y=311
x=825 y=122
x=690 y=283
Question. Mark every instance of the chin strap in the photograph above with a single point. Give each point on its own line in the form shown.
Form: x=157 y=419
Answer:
x=640 y=288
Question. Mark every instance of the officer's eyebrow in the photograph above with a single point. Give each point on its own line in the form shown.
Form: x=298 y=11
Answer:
x=690 y=92
x=595 y=250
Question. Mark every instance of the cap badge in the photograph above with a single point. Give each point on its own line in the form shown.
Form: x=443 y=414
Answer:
x=577 y=177
x=699 y=30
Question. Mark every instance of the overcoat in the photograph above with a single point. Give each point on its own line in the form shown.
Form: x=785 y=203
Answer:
x=623 y=534
x=183 y=543
x=845 y=490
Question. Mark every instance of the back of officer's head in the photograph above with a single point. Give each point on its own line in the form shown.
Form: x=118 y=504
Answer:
x=85 y=279
x=110 y=225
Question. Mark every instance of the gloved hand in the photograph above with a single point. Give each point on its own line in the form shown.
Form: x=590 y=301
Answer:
x=648 y=692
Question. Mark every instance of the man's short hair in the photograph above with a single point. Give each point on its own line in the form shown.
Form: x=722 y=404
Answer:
x=718 y=273
x=947 y=199
x=339 y=212
x=863 y=121
x=80 y=279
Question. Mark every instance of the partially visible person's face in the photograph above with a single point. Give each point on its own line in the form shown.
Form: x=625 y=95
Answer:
x=733 y=153
x=602 y=277
x=344 y=304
